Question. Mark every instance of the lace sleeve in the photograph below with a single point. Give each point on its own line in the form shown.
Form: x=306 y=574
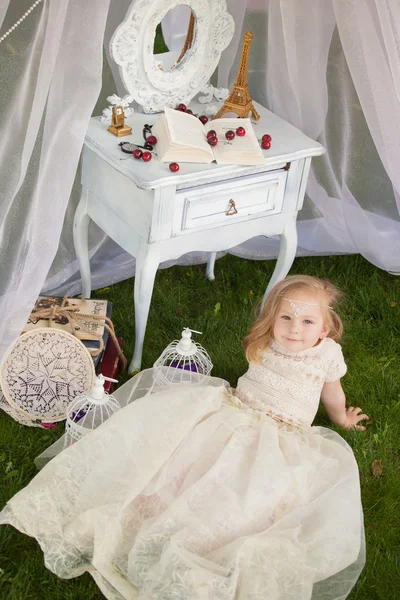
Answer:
x=336 y=366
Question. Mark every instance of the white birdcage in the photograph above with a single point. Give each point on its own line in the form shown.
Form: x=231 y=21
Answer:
x=89 y=410
x=183 y=361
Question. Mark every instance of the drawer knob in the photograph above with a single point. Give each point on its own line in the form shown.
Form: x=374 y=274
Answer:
x=232 y=210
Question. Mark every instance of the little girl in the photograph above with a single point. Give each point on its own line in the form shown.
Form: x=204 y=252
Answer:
x=204 y=492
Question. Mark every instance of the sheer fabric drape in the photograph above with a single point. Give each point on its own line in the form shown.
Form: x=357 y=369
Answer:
x=51 y=73
x=331 y=68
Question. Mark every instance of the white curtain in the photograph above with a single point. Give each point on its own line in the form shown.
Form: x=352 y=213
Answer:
x=331 y=67
x=51 y=71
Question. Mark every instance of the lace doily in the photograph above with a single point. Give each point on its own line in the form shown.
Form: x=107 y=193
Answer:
x=14 y=414
x=45 y=370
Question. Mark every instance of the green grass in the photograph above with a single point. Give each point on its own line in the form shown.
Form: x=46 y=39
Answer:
x=222 y=310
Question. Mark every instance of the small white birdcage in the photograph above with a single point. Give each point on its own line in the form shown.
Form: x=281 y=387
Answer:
x=89 y=410
x=183 y=361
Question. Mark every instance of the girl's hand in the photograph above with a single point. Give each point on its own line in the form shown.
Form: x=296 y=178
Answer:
x=353 y=417
x=335 y=403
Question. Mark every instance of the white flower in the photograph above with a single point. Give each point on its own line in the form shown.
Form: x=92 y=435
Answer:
x=221 y=94
x=209 y=92
x=115 y=100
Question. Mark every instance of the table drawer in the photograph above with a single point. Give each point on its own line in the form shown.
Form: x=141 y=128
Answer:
x=232 y=201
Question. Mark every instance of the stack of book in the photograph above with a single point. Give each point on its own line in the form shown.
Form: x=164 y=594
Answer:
x=107 y=361
x=110 y=364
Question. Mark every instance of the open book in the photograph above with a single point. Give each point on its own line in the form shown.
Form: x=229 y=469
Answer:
x=183 y=138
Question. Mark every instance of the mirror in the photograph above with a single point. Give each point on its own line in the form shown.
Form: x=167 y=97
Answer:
x=174 y=37
x=186 y=68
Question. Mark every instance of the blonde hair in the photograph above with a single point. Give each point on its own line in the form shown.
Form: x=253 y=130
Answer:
x=261 y=333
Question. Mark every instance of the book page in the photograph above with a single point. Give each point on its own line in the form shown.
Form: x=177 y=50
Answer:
x=181 y=138
x=160 y=130
x=244 y=150
x=186 y=130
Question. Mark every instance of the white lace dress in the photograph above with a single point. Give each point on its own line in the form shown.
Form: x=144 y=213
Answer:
x=204 y=493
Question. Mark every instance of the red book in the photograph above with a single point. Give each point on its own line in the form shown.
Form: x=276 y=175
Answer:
x=110 y=364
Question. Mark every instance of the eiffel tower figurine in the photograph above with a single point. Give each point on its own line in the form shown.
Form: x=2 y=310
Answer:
x=239 y=100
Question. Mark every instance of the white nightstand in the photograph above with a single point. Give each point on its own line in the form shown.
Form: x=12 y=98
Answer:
x=156 y=215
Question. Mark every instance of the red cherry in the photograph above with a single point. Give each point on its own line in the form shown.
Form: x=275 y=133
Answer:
x=266 y=144
x=203 y=119
x=152 y=140
x=240 y=131
x=213 y=141
x=230 y=135
x=137 y=153
x=211 y=133
x=189 y=112
x=181 y=107
x=174 y=167
x=266 y=137
x=146 y=156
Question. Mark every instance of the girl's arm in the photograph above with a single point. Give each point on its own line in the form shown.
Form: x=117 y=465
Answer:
x=334 y=400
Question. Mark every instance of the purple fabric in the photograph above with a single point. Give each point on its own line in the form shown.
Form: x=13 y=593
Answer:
x=188 y=367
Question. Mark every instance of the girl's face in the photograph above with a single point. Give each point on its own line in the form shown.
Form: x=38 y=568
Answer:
x=296 y=332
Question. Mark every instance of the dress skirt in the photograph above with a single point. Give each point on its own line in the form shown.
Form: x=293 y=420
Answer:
x=187 y=494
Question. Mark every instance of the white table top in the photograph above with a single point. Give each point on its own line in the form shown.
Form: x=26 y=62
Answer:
x=288 y=144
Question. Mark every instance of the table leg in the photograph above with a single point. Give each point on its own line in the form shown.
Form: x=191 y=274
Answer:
x=80 y=235
x=287 y=253
x=147 y=263
x=210 y=266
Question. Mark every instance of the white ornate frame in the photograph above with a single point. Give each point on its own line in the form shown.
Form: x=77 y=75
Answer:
x=132 y=46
